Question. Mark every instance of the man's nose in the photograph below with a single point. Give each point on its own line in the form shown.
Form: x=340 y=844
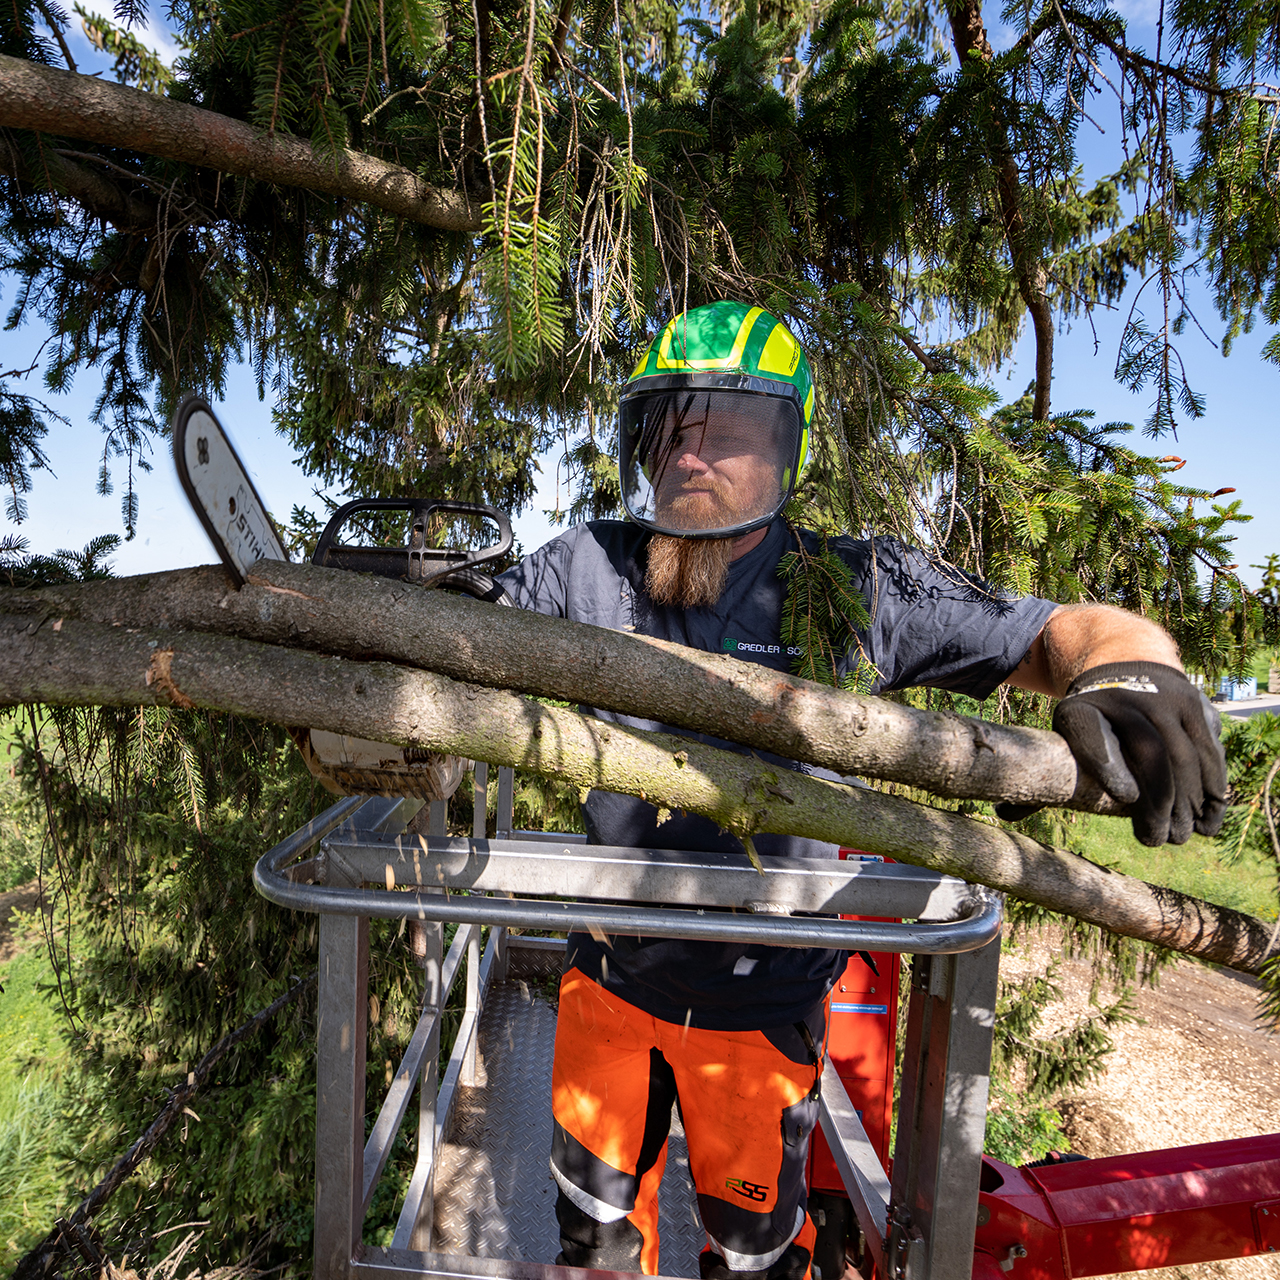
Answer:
x=689 y=461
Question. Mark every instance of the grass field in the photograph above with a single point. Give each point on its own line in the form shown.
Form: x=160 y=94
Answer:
x=34 y=1060
x=33 y=1071
x=1196 y=867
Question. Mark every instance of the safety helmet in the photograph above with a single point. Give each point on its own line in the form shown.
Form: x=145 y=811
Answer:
x=713 y=425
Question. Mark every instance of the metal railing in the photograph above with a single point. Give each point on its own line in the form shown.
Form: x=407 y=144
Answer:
x=457 y=869
x=366 y=866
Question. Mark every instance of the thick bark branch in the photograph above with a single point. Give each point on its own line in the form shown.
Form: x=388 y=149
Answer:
x=336 y=612
x=86 y=663
x=1033 y=281
x=98 y=194
x=75 y=106
x=969 y=35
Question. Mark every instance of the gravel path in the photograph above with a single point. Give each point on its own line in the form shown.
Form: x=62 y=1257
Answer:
x=1196 y=1068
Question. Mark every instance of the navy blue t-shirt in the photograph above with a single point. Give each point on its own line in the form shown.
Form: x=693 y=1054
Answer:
x=930 y=625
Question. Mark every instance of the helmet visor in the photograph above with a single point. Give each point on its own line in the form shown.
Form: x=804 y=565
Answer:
x=707 y=462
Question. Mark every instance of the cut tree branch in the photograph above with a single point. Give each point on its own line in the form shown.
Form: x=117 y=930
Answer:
x=82 y=663
x=67 y=105
x=362 y=616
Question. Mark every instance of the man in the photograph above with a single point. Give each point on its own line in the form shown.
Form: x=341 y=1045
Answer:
x=713 y=431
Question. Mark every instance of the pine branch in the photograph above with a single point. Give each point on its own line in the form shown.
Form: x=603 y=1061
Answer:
x=971 y=44
x=70 y=1233
x=97 y=194
x=62 y=103
x=56 y=27
x=1149 y=70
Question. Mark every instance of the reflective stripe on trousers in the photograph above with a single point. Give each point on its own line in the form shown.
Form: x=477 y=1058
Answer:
x=748 y=1102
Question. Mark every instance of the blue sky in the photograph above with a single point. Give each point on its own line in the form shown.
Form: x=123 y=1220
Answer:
x=1235 y=444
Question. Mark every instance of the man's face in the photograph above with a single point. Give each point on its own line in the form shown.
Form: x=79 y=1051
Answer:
x=713 y=469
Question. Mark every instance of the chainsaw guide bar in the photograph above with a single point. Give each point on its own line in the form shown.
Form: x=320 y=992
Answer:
x=236 y=519
x=220 y=491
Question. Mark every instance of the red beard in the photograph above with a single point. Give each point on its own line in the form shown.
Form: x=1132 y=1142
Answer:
x=687 y=572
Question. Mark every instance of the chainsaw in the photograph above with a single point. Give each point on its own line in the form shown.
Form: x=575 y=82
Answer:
x=242 y=532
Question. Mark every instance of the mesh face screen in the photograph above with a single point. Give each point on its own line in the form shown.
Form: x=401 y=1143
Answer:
x=707 y=462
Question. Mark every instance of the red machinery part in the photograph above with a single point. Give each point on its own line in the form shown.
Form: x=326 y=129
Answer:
x=1129 y=1213
x=1078 y=1218
x=864 y=1018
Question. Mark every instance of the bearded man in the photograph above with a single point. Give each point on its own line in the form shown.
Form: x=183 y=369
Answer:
x=713 y=432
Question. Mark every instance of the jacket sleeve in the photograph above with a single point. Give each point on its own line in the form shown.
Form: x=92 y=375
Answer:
x=540 y=582
x=934 y=625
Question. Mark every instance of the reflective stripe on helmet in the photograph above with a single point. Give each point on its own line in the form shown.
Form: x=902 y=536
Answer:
x=731 y=336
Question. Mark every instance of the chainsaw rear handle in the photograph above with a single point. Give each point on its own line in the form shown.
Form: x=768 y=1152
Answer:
x=417 y=562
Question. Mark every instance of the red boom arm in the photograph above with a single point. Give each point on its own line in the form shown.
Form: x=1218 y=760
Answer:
x=1129 y=1213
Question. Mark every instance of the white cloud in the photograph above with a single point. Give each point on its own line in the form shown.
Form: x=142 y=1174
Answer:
x=154 y=33
x=160 y=38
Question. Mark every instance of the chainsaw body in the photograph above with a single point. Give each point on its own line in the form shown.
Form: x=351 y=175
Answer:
x=361 y=536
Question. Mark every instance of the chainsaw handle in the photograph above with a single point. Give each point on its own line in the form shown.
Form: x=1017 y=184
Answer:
x=475 y=584
x=417 y=562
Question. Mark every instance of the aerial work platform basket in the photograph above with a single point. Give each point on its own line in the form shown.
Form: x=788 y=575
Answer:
x=481 y=1199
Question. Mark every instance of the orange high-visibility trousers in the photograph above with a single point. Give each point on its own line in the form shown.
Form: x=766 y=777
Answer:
x=748 y=1102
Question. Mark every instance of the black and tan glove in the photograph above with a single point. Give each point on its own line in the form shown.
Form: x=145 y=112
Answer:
x=1150 y=738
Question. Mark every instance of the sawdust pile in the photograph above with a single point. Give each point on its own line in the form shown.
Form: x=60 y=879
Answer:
x=1196 y=1068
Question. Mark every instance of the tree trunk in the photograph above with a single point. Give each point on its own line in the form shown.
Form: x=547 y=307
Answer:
x=74 y=106
x=955 y=756
x=69 y=662
x=969 y=36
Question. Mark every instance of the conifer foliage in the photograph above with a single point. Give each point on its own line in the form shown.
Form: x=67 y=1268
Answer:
x=908 y=213
x=903 y=192
x=161 y=947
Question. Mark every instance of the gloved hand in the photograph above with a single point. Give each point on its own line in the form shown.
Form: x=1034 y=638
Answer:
x=1150 y=737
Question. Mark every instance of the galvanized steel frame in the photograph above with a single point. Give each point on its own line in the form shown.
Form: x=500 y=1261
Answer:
x=915 y=1229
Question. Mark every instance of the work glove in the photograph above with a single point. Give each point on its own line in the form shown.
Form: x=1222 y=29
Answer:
x=1150 y=738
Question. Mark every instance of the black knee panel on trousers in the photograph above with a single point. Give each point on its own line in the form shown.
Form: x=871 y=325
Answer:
x=791 y=1266
x=601 y=1246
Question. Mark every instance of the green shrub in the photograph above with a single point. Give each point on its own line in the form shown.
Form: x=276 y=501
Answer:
x=1020 y=1130
x=20 y=829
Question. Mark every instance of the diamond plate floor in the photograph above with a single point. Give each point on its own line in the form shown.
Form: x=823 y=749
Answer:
x=494 y=1194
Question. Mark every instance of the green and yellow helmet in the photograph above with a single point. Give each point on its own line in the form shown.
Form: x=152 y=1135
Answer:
x=713 y=425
